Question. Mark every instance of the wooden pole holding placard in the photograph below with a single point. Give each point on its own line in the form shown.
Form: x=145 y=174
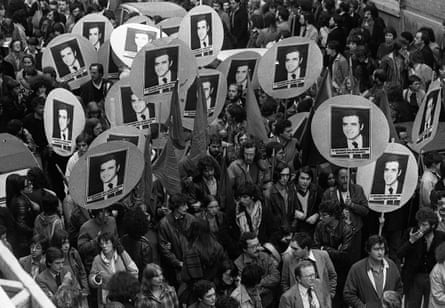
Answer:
x=381 y=223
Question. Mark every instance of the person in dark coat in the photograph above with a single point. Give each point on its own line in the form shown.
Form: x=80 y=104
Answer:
x=239 y=21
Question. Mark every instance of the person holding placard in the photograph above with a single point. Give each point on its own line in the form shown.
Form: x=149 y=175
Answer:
x=97 y=88
x=430 y=177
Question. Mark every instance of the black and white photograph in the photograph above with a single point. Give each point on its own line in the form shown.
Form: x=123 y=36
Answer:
x=69 y=62
x=350 y=129
x=106 y=174
x=389 y=178
x=210 y=87
x=62 y=125
x=94 y=31
x=131 y=139
x=201 y=35
x=240 y=71
x=426 y=125
x=161 y=70
x=290 y=66
x=136 y=39
x=135 y=111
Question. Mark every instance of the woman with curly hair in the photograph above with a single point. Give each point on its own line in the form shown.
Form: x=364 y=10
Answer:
x=111 y=259
x=155 y=292
x=206 y=183
x=123 y=288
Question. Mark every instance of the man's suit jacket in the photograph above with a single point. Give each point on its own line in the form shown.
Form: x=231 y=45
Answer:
x=379 y=188
x=324 y=267
x=130 y=116
x=281 y=75
x=292 y=298
x=359 y=290
x=99 y=187
x=154 y=81
x=26 y=263
x=48 y=283
x=239 y=27
x=341 y=143
x=315 y=194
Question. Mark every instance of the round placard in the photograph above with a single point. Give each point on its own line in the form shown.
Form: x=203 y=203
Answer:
x=136 y=36
x=71 y=56
x=96 y=28
x=426 y=122
x=121 y=133
x=140 y=19
x=240 y=66
x=224 y=54
x=64 y=120
x=14 y=154
x=215 y=91
x=350 y=131
x=105 y=55
x=170 y=26
x=290 y=67
x=157 y=67
x=202 y=30
x=393 y=181
x=105 y=174
x=123 y=107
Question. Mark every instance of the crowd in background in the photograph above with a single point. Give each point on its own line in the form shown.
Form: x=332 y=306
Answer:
x=280 y=232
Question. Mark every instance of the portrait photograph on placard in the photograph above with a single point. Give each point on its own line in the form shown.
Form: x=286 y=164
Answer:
x=62 y=125
x=135 y=111
x=136 y=39
x=210 y=85
x=290 y=66
x=131 y=139
x=350 y=128
x=161 y=70
x=106 y=174
x=426 y=125
x=239 y=71
x=201 y=35
x=69 y=61
x=94 y=32
x=389 y=178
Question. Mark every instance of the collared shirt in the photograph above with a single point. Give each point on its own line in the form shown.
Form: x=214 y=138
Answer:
x=113 y=182
x=294 y=75
x=75 y=67
x=393 y=187
x=304 y=293
x=167 y=77
x=204 y=43
x=378 y=279
x=358 y=140
x=144 y=115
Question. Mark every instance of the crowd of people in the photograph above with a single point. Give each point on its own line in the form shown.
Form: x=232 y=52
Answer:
x=255 y=225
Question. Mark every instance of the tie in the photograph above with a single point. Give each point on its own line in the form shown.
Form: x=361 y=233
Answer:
x=413 y=99
x=143 y=116
x=63 y=137
x=310 y=298
x=110 y=185
x=355 y=144
x=164 y=80
x=75 y=68
x=391 y=190
x=294 y=76
x=58 y=279
x=204 y=44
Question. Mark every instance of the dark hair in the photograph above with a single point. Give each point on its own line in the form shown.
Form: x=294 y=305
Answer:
x=215 y=139
x=41 y=240
x=208 y=162
x=283 y=13
x=99 y=66
x=50 y=70
x=15 y=183
x=247 y=189
x=426 y=214
x=49 y=203
x=281 y=125
x=308 y=17
x=248 y=145
x=330 y=207
x=392 y=31
x=425 y=37
x=52 y=254
x=201 y=287
x=303 y=239
x=429 y=32
x=375 y=240
x=271 y=146
x=67 y=297
x=334 y=45
x=413 y=78
x=123 y=287
x=135 y=223
x=251 y=275
x=177 y=200
x=246 y=236
x=280 y=166
x=203 y=241
x=226 y=301
x=90 y=124
x=14 y=126
x=431 y=158
x=60 y=237
x=84 y=137
x=323 y=179
x=301 y=265
x=107 y=236
x=37 y=177
x=237 y=113
x=269 y=20
x=380 y=75
x=305 y=169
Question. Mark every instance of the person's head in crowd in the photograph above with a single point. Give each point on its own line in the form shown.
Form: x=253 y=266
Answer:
x=283 y=14
x=68 y=297
x=335 y=21
x=438 y=202
x=342 y=178
x=62 y=6
x=251 y=276
x=281 y=174
x=306 y=18
x=178 y=204
x=50 y=72
x=108 y=243
x=304 y=178
x=414 y=83
x=16 y=46
x=226 y=301
x=328 y=5
x=215 y=145
x=421 y=38
x=93 y=127
x=250 y=244
x=102 y=4
x=370 y=12
x=15 y=184
x=93 y=110
x=408 y=36
x=256 y=22
x=300 y=245
x=354 y=42
x=123 y=288
x=402 y=132
x=379 y=76
x=326 y=179
x=49 y=204
x=54 y=260
x=390 y=35
x=235 y=114
x=96 y=72
x=83 y=141
x=136 y=222
x=204 y=292
x=329 y=211
x=41 y=85
x=152 y=277
x=430 y=33
x=305 y=274
x=270 y=21
x=99 y=216
x=208 y=168
x=76 y=10
x=248 y=152
x=233 y=92
x=37 y=178
x=376 y=247
x=274 y=149
x=12 y=88
x=61 y=240
x=38 y=105
x=391 y=299
x=38 y=246
x=433 y=160
x=58 y=28
x=283 y=129
x=211 y=206
x=427 y=220
x=29 y=65
x=333 y=48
